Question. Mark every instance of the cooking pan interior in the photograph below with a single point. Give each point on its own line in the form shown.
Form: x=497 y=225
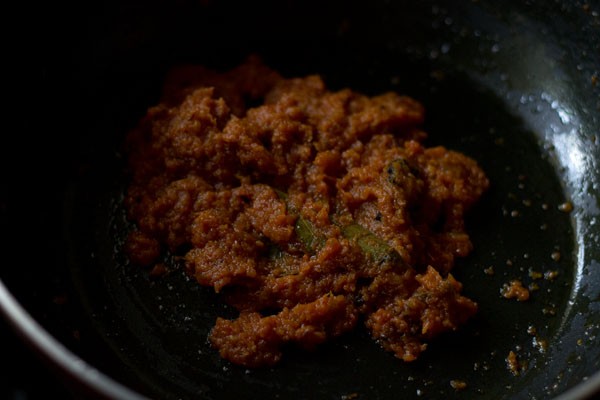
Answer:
x=512 y=85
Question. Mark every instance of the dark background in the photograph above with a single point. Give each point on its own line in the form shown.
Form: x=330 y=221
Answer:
x=36 y=44
x=23 y=376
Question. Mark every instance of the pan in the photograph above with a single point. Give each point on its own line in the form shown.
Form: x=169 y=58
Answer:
x=514 y=85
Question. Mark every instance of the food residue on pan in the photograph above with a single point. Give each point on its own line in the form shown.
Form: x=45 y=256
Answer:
x=310 y=211
x=514 y=364
x=458 y=385
x=515 y=290
x=567 y=207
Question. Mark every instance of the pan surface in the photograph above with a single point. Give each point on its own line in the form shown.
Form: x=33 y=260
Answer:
x=513 y=85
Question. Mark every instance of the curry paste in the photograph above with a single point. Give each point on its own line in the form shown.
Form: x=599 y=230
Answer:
x=309 y=210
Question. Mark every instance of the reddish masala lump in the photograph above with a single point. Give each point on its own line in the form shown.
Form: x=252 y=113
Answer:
x=309 y=210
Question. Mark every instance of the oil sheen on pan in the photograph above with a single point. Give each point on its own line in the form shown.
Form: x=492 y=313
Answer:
x=308 y=210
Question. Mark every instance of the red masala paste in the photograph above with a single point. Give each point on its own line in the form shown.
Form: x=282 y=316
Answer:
x=309 y=210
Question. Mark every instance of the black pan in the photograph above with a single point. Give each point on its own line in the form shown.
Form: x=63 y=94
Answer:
x=513 y=84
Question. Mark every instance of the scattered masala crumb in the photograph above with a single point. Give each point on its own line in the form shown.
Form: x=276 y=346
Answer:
x=458 y=384
x=515 y=290
x=535 y=274
x=550 y=275
x=540 y=344
x=514 y=364
x=567 y=207
x=533 y=286
x=549 y=310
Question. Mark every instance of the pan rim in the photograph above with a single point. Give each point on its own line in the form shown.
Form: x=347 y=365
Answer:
x=41 y=342
x=49 y=349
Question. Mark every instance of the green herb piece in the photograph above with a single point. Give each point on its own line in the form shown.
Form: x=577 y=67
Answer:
x=372 y=245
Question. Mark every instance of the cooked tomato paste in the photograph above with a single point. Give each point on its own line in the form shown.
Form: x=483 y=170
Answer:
x=310 y=211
